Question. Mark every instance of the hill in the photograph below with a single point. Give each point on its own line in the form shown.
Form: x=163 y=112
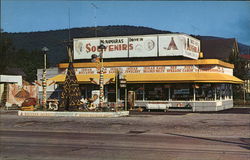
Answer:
x=55 y=40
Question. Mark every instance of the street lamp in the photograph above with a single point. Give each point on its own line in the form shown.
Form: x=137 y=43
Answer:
x=44 y=80
x=101 y=47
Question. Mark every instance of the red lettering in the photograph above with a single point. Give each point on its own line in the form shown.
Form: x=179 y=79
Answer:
x=173 y=67
x=130 y=47
x=88 y=49
x=119 y=47
x=111 y=48
x=124 y=47
x=93 y=48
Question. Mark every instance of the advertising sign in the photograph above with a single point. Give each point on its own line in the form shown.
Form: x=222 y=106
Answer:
x=17 y=95
x=179 y=45
x=143 y=46
x=171 y=45
x=83 y=49
x=138 y=46
x=96 y=97
x=192 y=47
x=159 y=69
x=115 y=47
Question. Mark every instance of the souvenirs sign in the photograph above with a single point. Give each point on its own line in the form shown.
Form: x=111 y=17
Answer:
x=138 y=46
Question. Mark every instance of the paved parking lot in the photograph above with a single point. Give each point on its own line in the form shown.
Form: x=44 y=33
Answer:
x=156 y=135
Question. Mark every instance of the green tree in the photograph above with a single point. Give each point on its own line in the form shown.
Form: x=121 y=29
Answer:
x=6 y=50
x=239 y=71
x=29 y=62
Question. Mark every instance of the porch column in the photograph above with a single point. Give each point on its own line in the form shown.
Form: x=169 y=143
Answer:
x=231 y=91
x=194 y=93
x=220 y=94
x=143 y=95
x=215 y=93
x=169 y=92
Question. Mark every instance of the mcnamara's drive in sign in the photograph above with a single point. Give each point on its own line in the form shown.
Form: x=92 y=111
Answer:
x=138 y=46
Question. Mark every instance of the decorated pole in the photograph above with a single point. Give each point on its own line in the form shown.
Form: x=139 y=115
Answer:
x=101 y=79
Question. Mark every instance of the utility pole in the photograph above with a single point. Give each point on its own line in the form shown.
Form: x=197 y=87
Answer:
x=44 y=80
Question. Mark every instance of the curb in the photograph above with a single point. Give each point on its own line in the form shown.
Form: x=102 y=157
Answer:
x=73 y=114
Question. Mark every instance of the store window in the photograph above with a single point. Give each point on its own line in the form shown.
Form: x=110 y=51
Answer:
x=204 y=92
x=156 y=92
x=226 y=91
x=111 y=94
x=218 y=91
x=138 y=89
x=86 y=90
x=182 y=92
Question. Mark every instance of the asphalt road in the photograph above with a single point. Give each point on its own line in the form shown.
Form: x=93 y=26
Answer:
x=32 y=145
x=141 y=136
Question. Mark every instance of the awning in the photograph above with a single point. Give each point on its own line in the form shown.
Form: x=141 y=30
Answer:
x=161 y=78
x=182 y=78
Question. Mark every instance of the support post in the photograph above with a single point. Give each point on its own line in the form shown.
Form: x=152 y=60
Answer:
x=126 y=99
x=194 y=99
x=116 y=89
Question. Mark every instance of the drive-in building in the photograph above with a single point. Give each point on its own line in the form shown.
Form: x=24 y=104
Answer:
x=158 y=69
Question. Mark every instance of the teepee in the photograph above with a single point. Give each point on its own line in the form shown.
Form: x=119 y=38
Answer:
x=71 y=95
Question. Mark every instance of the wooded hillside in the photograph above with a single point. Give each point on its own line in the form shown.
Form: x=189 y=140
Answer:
x=23 y=50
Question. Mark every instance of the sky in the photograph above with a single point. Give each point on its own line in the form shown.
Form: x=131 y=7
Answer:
x=229 y=19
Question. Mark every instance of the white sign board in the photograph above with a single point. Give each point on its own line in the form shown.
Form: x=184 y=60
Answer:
x=83 y=49
x=138 y=46
x=115 y=47
x=171 y=45
x=96 y=96
x=179 y=45
x=192 y=47
x=143 y=46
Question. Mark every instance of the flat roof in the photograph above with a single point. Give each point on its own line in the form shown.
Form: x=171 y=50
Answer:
x=151 y=63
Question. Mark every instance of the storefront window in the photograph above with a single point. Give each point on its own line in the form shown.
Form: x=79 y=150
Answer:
x=218 y=92
x=183 y=92
x=204 y=92
x=156 y=92
x=225 y=91
x=86 y=90
x=138 y=89
x=111 y=94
